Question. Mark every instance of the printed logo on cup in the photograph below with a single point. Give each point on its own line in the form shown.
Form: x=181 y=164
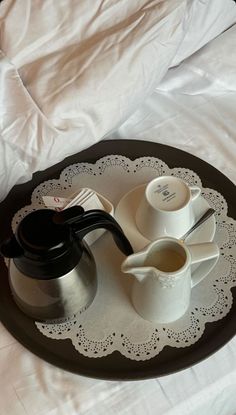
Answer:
x=168 y=194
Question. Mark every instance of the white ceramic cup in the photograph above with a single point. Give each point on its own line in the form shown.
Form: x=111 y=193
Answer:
x=166 y=208
x=162 y=288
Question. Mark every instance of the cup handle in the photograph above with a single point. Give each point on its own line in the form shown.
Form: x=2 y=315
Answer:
x=200 y=253
x=195 y=192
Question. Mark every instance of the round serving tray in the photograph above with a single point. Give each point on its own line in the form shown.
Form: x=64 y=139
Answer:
x=114 y=366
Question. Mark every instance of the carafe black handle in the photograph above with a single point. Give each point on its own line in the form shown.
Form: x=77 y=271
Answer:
x=84 y=222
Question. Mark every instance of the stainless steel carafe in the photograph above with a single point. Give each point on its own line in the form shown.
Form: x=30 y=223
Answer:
x=52 y=272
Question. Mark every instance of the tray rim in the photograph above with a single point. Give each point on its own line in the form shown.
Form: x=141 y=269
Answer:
x=135 y=372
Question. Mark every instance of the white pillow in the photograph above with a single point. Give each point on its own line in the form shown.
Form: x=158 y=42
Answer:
x=209 y=72
x=204 y=20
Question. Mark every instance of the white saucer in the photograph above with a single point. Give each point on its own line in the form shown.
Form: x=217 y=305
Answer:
x=125 y=216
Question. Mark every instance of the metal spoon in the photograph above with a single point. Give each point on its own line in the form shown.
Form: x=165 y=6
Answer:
x=202 y=219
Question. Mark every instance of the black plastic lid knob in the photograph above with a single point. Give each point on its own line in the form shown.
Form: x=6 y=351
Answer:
x=39 y=236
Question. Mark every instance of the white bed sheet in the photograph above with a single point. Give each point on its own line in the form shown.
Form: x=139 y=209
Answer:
x=193 y=108
x=70 y=73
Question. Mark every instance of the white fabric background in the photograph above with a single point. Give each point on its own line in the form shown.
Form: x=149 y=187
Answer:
x=193 y=108
x=70 y=73
x=77 y=71
x=33 y=387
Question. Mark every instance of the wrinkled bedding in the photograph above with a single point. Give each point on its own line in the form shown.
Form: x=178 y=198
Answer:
x=193 y=108
x=164 y=74
x=71 y=74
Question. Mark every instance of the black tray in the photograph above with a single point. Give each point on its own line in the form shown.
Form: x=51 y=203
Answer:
x=114 y=366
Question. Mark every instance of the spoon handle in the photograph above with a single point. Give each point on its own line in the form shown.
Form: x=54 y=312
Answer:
x=202 y=219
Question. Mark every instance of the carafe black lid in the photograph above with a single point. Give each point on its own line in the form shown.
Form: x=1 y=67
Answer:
x=49 y=244
x=39 y=236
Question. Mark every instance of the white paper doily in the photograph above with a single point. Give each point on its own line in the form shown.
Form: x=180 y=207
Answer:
x=111 y=322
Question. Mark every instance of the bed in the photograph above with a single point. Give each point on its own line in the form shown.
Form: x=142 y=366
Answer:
x=73 y=76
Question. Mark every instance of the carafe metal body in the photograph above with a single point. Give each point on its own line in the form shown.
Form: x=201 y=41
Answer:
x=59 y=297
x=52 y=272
